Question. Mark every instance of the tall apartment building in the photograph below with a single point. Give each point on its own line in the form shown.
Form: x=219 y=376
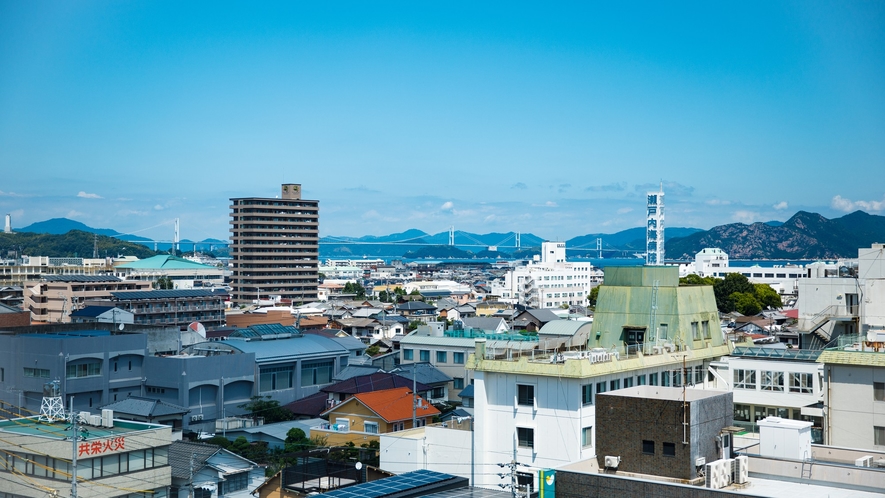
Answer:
x=275 y=247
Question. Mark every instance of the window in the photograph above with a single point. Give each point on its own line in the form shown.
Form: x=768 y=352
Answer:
x=526 y=437
x=615 y=384
x=648 y=447
x=669 y=449
x=424 y=355
x=587 y=394
x=586 y=437
x=628 y=382
x=878 y=389
x=804 y=383
x=42 y=373
x=371 y=427
x=408 y=354
x=705 y=328
x=438 y=392
x=442 y=357
x=316 y=372
x=640 y=380
x=653 y=379
x=458 y=358
x=458 y=383
x=699 y=374
x=234 y=482
x=665 y=379
x=202 y=493
x=274 y=378
x=879 y=436
x=84 y=370
x=695 y=331
x=600 y=387
x=741 y=413
x=745 y=379
x=772 y=381
x=677 y=378
x=525 y=395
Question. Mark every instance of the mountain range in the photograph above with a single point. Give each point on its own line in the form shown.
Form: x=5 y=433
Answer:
x=804 y=236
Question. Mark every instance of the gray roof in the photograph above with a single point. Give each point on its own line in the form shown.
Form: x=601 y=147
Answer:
x=163 y=294
x=414 y=306
x=145 y=407
x=542 y=315
x=425 y=373
x=81 y=278
x=351 y=371
x=279 y=430
x=293 y=347
x=9 y=309
x=182 y=454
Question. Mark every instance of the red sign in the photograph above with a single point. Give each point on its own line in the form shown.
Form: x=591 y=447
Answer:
x=102 y=446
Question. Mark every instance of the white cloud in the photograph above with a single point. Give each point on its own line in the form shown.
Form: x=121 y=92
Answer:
x=447 y=205
x=549 y=204
x=73 y=214
x=745 y=216
x=780 y=206
x=847 y=205
x=625 y=210
x=158 y=208
x=88 y=196
x=717 y=202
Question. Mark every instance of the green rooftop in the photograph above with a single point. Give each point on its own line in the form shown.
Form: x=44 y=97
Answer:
x=31 y=426
x=165 y=262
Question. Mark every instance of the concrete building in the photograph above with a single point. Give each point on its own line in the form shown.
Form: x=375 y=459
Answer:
x=539 y=404
x=54 y=297
x=176 y=308
x=275 y=247
x=773 y=382
x=549 y=281
x=123 y=460
x=661 y=431
x=184 y=273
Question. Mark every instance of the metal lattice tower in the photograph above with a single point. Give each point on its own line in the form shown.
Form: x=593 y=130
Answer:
x=654 y=238
x=52 y=407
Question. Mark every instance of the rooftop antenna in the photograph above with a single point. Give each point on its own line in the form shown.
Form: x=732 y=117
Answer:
x=52 y=408
x=175 y=242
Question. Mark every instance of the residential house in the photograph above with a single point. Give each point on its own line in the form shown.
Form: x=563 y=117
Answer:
x=205 y=470
x=102 y=314
x=492 y=324
x=533 y=319
x=364 y=416
x=417 y=310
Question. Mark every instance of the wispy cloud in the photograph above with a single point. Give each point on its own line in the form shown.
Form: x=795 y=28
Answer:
x=744 y=216
x=625 y=210
x=717 y=202
x=564 y=186
x=548 y=204
x=611 y=187
x=780 y=206
x=159 y=208
x=85 y=195
x=520 y=186
x=73 y=214
x=847 y=205
x=671 y=188
x=447 y=206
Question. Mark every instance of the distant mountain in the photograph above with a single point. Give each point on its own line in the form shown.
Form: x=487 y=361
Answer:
x=72 y=244
x=58 y=226
x=804 y=236
x=631 y=239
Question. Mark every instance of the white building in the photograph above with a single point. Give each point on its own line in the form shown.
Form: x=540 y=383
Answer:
x=548 y=281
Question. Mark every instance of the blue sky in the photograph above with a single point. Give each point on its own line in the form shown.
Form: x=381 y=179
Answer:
x=550 y=119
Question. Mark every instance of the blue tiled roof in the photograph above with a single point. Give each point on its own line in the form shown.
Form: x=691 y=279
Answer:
x=91 y=311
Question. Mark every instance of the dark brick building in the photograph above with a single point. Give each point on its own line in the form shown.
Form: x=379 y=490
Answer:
x=643 y=426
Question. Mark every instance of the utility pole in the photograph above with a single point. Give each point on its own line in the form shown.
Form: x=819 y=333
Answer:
x=414 y=395
x=75 y=438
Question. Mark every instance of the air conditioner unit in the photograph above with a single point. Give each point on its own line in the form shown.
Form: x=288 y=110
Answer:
x=717 y=474
x=866 y=461
x=741 y=472
x=612 y=462
x=95 y=420
x=196 y=418
x=657 y=350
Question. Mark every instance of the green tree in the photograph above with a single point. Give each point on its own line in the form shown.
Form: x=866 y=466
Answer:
x=399 y=291
x=297 y=440
x=745 y=303
x=724 y=288
x=593 y=296
x=270 y=409
x=373 y=350
x=696 y=280
x=768 y=297
x=164 y=283
x=355 y=288
x=414 y=324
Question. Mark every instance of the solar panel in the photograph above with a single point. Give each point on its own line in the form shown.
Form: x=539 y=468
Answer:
x=390 y=485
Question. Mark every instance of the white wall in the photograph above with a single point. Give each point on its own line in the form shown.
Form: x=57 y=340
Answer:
x=437 y=448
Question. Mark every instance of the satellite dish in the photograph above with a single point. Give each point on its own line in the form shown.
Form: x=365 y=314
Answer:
x=198 y=328
x=359 y=466
x=121 y=326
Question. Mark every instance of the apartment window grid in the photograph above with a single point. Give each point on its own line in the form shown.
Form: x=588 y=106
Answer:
x=772 y=381
x=275 y=378
x=744 y=379
x=804 y=383
x=316 y=372
x=83 y=370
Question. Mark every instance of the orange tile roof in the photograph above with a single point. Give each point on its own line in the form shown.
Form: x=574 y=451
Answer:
x=394 y=405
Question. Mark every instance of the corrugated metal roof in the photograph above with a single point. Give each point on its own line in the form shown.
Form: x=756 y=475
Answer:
x=564 y=327
x=294 y=347
x=163 y=294
x=145 y=407
x=81 y=278
x=186 y=458
x=859 y=358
